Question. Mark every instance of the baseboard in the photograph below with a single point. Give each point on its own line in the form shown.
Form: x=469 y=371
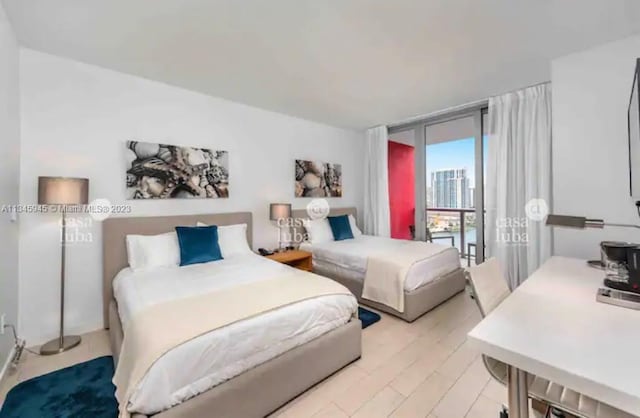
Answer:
x=7 y=363
x=39 y=339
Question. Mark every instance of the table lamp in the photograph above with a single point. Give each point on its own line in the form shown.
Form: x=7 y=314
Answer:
x=62 y=192
x=582 y=222
x=278 y=211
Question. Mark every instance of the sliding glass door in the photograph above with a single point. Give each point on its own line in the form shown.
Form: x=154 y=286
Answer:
x=453 y=184
x=448 y=180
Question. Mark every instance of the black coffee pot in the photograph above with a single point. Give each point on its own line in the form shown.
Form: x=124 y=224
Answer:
x=622 y=262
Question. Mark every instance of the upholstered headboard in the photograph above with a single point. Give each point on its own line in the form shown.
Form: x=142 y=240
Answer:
x=302 y=214
x=114 y=249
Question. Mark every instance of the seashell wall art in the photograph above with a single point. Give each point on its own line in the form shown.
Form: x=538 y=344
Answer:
x=160 y=171
x=318 y=179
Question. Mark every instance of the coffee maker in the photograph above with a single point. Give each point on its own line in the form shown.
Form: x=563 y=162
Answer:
x=621 y=261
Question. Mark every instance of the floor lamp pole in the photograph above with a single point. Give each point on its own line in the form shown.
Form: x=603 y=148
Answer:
x=61 y=343
x=63 y=261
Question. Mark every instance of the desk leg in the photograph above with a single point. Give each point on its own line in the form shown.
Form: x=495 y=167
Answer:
x=517 y=386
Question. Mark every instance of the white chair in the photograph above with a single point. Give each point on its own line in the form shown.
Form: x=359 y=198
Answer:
x=490 y=288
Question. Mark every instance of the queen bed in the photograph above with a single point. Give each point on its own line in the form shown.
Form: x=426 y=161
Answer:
x=231 y=369
x=427 y=283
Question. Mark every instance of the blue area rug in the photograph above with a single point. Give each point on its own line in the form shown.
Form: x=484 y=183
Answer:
x=82 y=390
x=367 y=317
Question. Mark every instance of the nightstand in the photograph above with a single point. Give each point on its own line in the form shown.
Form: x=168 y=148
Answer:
x=295 y=258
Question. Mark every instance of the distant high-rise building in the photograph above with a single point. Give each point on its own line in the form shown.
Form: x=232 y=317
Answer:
x=450 y=188
x=472 y=197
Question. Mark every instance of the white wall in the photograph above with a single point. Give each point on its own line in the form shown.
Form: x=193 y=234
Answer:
x=75 y=120
x=404 y=137
x=9 y=174
x=591 y=92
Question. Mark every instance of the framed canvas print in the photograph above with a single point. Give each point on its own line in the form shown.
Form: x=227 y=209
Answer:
x=161 y=171
x=318 y=179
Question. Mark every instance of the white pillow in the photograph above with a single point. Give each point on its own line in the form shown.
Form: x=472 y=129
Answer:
x=354 y=228
x=318 y=231
x=149 y=251
x=232 y=239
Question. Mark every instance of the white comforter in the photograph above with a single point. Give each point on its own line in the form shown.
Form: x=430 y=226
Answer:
x=219 y=355
x=350 y=257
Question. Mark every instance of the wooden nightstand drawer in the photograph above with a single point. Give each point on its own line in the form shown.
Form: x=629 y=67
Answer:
x=295 y=258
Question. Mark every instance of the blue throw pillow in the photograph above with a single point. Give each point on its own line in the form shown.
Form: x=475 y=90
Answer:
x=340 y=227
x=198 y=244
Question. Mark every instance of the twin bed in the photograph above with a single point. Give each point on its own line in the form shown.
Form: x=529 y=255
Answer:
x=249 y=367
x=428 y=282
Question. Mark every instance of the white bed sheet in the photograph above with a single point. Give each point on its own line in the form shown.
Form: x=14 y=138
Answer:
x=351 y=256
x=221 y=354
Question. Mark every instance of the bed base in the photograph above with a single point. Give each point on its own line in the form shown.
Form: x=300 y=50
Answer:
x=416 y=302
x=265 y=388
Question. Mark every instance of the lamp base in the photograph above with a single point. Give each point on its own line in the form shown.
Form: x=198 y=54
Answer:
x=53 y=346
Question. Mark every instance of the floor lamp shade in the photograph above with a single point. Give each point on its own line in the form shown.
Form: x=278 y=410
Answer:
x=63 y=191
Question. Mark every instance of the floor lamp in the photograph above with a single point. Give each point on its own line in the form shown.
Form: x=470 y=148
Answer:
x=62 y=192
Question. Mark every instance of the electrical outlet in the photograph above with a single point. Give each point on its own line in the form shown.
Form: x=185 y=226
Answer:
x=2 y=323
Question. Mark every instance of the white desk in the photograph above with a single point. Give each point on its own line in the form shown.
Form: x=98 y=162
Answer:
x=552 y=326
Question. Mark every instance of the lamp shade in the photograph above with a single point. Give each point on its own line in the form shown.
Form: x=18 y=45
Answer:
x=279 y=211
x=63 y=191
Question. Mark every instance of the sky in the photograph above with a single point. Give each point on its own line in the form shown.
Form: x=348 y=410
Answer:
x=453 y=154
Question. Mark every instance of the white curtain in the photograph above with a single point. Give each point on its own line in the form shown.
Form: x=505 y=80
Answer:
x=377 y=218
x=518 y=184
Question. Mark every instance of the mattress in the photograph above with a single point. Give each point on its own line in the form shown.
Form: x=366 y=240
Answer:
x=349 y=258
x=221 y=354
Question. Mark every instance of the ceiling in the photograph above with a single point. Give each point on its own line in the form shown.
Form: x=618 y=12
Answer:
x=349 y=63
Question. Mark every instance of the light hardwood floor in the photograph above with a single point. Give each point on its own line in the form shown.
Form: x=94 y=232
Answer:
x=423 y=369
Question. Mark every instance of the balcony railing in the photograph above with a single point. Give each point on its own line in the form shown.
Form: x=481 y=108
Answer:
x=452 y=221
